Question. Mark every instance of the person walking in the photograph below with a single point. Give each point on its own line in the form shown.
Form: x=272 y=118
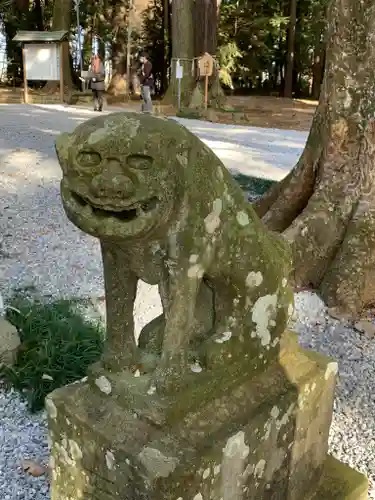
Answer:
x=147 y=82
x=97 y=82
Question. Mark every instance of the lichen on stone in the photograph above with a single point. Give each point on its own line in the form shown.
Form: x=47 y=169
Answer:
x=167 y=211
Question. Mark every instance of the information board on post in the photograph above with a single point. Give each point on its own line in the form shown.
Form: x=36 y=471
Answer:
x=42 y=61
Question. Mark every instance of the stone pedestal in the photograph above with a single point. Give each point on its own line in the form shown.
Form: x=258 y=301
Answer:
x=260 y=438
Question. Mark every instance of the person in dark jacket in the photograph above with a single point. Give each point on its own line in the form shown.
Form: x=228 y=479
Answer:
x=147 y=82
x=97 y=77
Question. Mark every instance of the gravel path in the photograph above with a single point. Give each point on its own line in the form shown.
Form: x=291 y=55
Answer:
x=22 y=437
x=39 y=249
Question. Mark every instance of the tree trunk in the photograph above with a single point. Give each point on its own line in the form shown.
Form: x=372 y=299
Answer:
x=37 y=15
x=20 y=18
x=61 y=20
x=14 y=55
x=169 y=56
x=288 y=85
x=326 y=207
x=101 y=46
x=205 y=19
x=192 y=43
x=87 y=46
x=318 y=70
x=166 y=37
x=117 y=85
x=182 y=49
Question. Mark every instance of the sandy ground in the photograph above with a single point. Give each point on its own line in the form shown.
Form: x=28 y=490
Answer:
x=257 y=111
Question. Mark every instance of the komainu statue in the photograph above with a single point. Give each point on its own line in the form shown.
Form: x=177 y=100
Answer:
x=216 y=400
x=167 y=211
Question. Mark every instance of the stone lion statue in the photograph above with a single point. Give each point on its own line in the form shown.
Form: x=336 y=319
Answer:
x=168 y=212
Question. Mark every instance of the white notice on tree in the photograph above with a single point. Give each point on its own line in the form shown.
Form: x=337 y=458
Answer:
x=42 y=61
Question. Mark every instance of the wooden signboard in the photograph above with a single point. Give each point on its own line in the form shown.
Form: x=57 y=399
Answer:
x=206 y=65
x=206 y=68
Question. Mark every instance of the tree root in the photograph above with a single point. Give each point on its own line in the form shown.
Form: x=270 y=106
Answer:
x=349 y=283
x=293 y=198
x=315 y=236
x=333 y=242
x=263 y=204
x=287 y=199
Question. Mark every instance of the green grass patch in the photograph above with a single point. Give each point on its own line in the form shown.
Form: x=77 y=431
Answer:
x=253 y=186
x=58 y=344
x=191 y=114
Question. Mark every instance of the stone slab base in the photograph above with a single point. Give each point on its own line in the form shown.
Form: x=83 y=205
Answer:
x=340 y=482
x=263 y=439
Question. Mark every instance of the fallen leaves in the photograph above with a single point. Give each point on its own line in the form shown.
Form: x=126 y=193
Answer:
x=33 y=468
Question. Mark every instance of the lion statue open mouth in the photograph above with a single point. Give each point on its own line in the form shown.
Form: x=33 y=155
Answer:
x=109 y=189
x=167 y=212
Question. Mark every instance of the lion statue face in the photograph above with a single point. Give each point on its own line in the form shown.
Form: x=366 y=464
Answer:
x=117 y=180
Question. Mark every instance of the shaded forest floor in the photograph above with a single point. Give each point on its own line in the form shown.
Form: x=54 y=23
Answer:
x=256 y=111
x=272 y=112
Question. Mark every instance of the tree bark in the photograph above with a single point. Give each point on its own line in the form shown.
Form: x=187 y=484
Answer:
x=182 y=49
x=200 y=36
x=120 y=14
x=14 y=55
x=37 y=15
x=290 y=57
x=20 y=18
x=318 y=70
x=205 y=18
x=87 y=46
x=166 y=28
x=326 y=206
x=61 y=20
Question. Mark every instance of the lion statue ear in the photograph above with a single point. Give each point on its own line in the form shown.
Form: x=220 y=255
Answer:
x=62 y=145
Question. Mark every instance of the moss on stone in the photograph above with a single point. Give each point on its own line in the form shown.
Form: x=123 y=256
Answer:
x=341 y=482
x=167 y=211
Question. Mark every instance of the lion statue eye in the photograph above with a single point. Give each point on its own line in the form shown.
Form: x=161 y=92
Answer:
x=89 y=159
x=140 y=162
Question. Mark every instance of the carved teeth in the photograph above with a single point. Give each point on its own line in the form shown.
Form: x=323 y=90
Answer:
x=140 y=211
x=87 y=211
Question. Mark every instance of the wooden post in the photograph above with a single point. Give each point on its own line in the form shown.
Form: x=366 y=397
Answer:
x=128 y=47
x=207 y=71
x=205 y=91
x=205 y=65
x=62 y=72
x=25 y=89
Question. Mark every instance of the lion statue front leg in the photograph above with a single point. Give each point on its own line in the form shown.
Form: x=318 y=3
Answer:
x=152 y=335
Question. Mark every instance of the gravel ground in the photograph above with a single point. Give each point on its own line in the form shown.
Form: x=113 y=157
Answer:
x=22 y=437
x=352 y=436
x=40 y=250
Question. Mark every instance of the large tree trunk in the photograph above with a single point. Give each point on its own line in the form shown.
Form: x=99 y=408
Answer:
x=87 y=47
x=182 y=49
x=61 y=20
x=290 y=56
x=166 y=29
x=13 y=54
x=205 y=19
x=20 y=18
x=326 y=207
x=318 y=70
x=120 y=17
x=37 y=15
x=194 y=32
